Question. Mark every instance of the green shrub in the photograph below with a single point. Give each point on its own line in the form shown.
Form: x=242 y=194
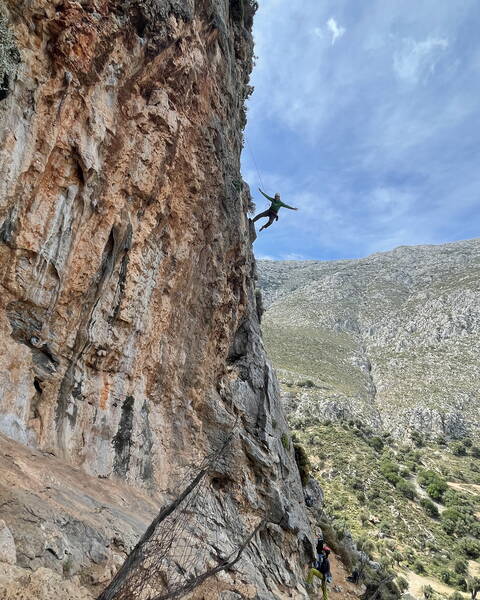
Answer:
x=475 y=451
x=390 y=471
x=406 y=488
x=402 y=584
x=385 y=526
x=427 y=592
x=456 y=596
x=418 y=567
x=358 y=484
x=437 y=489
x=460 y=567
x=446 y=576
x=285 y=441
x=458 y=449
x=308 y=383
x=376 y=443
x=417 y=439
x=469 y=547
x=429 y=507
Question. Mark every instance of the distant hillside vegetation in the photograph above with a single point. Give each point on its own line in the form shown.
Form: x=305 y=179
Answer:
x=392 y=339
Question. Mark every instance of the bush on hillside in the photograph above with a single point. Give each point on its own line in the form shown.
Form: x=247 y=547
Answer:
x=429 y=507
x=417 y=439
x=469 y=547
x=406 y=488
x=376 y=443
x=461 y=567
x=390 y=471
x=475 y=451
x=381 y=583
x=418 y=567
x=398 y=557
x=458 y=449
x=428 y=592
x=435 y=485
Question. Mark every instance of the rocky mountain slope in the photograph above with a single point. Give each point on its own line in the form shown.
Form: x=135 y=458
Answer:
x=392 y=339
x=128 y=319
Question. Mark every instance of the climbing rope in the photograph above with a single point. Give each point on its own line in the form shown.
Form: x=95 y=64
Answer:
x=255 y=163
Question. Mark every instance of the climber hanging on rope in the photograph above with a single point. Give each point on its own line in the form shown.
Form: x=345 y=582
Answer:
x=272 y=212
x=321 y=569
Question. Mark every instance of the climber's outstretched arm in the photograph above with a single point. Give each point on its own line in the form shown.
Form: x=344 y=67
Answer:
x=290 y=207
x=266 y=196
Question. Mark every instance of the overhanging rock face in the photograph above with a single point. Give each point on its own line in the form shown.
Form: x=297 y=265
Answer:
x=128 y=319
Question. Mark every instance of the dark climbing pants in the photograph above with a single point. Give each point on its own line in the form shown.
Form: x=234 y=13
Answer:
x=315 y=573
x=271 y=214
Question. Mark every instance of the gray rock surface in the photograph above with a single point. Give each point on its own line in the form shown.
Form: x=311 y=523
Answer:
x=8 y=551
x=392 y=339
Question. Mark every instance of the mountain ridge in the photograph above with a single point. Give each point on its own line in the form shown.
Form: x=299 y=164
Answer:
x=372 y=332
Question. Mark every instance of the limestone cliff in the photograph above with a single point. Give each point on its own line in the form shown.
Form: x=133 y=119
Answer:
x=129 y=330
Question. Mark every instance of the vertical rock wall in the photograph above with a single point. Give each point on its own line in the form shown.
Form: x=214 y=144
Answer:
x=128 y=324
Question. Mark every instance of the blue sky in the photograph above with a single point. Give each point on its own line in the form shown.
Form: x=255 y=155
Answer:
x=365 y=115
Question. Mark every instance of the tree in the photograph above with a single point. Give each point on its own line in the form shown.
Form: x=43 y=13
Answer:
x=397 y=557
x=427 y=592
x=473 y=586
x=435 y=485
x=437 y=488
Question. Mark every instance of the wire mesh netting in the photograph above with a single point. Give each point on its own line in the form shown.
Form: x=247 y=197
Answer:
x=186 y=547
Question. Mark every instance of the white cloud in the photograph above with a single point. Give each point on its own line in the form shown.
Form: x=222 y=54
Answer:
x=336 y=30
x=416 y=60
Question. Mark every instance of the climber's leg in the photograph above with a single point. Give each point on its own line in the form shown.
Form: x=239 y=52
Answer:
x=313 y=573
x=271 y=219
x=265 y=213
x=324 y=587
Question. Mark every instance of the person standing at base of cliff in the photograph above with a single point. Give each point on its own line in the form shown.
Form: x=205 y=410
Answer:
x=321 y=570
x=272 y=212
